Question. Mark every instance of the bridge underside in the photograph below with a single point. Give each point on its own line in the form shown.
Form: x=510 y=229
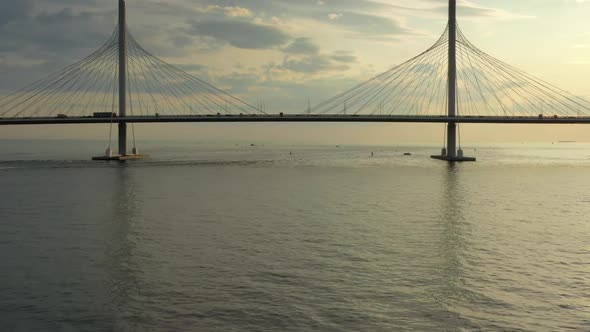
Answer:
x=295 y=118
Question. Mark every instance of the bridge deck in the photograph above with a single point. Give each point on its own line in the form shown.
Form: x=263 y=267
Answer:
x=295 y=118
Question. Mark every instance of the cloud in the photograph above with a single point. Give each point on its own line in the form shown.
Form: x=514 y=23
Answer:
x=317 y=63
x=333 y=16
x=55 y=32
x=37 y=41
x=470 y=9
x=302 y=46
x=310 y=64
x=230 y=11
x=344 y=58
x=369 y=24
x=194 y=68
x=241 y=34
x=11 y=11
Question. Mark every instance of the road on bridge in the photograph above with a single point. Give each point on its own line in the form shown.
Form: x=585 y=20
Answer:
x=295 y=118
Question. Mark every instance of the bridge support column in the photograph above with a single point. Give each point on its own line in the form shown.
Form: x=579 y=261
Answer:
x=452 y=139
x=123 y=139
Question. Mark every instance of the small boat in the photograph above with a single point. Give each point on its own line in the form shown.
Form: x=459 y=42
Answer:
x=407 y=154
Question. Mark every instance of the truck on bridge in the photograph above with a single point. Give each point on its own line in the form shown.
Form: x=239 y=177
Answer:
x=104 y=115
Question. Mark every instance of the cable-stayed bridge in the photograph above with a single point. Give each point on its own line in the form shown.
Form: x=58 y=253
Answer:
x=451 y=82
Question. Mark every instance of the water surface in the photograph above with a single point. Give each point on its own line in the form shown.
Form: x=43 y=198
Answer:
x=233 y=238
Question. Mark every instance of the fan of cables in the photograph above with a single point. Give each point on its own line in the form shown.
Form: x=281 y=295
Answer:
x=91 y=85
x=485 y=87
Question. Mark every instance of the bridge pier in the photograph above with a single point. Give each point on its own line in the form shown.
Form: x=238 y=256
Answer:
x=450 y=153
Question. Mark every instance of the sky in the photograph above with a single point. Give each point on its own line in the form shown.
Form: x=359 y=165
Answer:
x=283 y=53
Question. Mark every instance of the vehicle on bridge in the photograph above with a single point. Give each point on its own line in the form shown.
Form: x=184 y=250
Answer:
x=105 y=115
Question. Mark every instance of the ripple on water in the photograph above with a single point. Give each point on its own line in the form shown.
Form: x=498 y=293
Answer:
x=326 y=241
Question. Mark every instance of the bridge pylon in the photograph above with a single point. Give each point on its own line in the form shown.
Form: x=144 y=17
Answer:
x=122 y=78
x=122 y=74
x=450 y=153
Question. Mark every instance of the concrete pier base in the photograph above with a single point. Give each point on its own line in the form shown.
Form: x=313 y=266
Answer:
x=454 y=158
x=110 y=156
x=120 y=158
